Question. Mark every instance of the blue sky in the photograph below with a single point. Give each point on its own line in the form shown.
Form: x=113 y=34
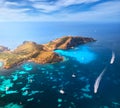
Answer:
x=60 y=10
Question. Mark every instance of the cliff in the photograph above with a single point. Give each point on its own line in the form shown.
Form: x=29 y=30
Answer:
x=67 y=42
x=37 y=53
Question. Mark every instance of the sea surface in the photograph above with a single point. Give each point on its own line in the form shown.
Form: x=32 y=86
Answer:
x=70 y=83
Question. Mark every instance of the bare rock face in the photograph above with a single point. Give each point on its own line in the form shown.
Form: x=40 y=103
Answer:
x=47 y=57
x=67 y=42
x=2 y=49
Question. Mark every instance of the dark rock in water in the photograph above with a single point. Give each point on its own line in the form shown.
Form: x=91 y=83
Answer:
x=42 y=54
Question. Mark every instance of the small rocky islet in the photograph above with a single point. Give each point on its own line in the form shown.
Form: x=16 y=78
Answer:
x=40 y=53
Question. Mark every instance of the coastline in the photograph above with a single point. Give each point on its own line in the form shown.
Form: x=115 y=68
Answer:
x=2 y=62
x=41 y=53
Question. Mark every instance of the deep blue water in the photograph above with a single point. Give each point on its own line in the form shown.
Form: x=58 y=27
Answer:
x=68 y=84
x=13 y=34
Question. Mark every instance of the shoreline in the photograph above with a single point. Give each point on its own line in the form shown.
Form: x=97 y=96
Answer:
x=2 y=64
x=41 y=53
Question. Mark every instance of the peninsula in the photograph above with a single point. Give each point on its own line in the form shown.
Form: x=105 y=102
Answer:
x=39 y=53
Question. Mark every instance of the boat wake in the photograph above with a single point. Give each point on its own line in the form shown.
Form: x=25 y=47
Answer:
x=113 y=58
x=97 y=82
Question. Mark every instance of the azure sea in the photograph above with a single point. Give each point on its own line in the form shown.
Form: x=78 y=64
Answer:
x=67 y=84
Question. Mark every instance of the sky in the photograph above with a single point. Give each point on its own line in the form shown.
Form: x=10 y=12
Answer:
x=60 y=10
x=40 y=20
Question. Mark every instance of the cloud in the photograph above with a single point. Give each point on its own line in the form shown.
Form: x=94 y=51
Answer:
x=54 y=6
x=109 y=7
x=108 y=11
x=74 y=2
x=56 y=11
x=7 y=14
x=11 y=4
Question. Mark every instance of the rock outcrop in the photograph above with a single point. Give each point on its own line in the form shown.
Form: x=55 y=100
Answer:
x=47 y=57
x=42 y=54
x=2 y=49
x=67 y=42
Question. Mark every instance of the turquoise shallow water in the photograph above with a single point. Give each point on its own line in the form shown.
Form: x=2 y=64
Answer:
x=81 y=54
x=1 y=64
x=68 y=84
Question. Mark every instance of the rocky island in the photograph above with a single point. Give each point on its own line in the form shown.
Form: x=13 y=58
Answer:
x=42 y=54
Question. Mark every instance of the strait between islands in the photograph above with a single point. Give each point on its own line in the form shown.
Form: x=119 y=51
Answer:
x=39 y=53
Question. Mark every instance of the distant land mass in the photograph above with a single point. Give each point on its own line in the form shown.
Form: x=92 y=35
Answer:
x=39 y=53
x=2 y=48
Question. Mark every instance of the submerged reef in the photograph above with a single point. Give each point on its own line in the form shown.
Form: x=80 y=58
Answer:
x=42 y=54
